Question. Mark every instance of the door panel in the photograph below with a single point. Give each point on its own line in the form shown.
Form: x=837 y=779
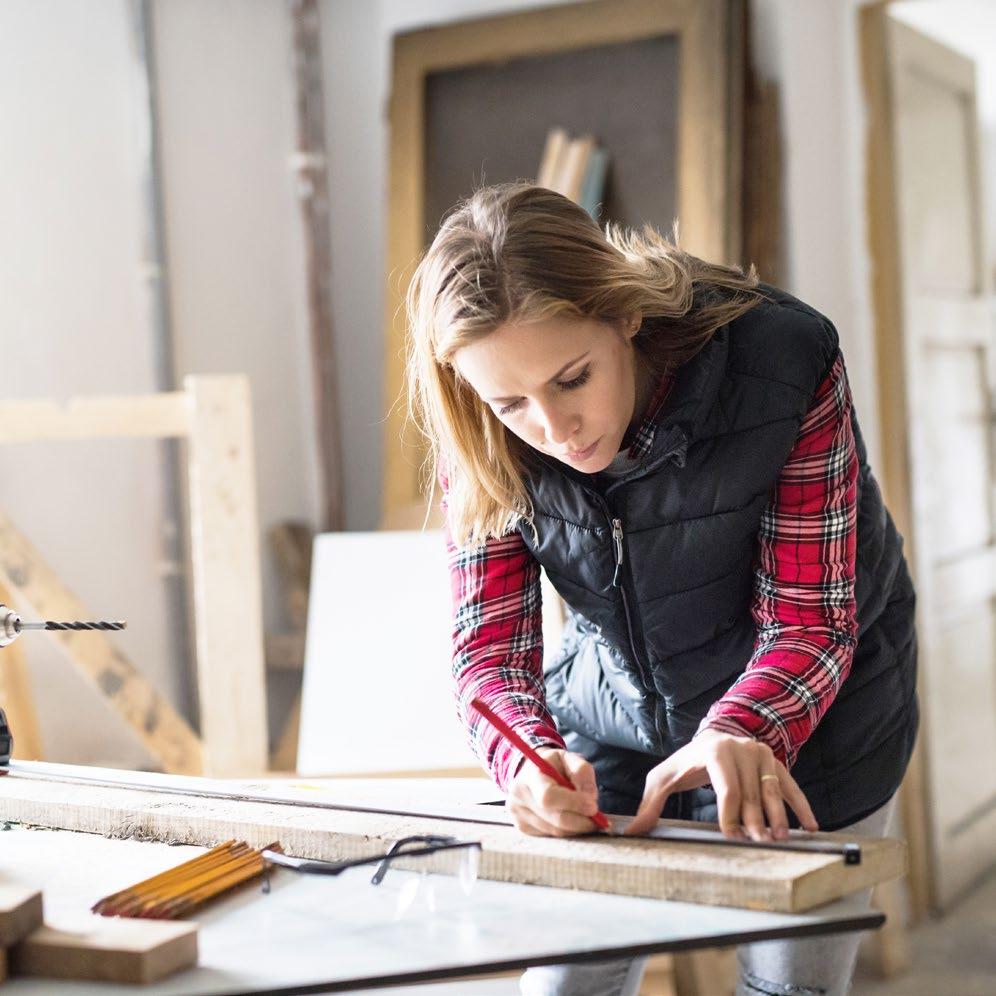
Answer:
x=947 y=357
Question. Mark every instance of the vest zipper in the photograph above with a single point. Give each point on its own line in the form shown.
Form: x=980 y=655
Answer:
x=619 y=551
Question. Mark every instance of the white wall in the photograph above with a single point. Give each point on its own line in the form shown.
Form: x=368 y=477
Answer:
x=75 y=310
x=73 y=320
x=233 y=235
x=811 y=50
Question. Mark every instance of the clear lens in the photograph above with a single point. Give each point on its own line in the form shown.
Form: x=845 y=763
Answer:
x=470 y=861
x=439 y=881
x=410 y=884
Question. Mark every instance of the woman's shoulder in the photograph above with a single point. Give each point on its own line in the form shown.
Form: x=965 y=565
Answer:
x=783 y=336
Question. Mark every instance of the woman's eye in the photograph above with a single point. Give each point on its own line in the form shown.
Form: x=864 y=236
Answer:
x=582 y=378
x=567 y=385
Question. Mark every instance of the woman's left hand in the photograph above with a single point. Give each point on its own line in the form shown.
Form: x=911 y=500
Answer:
x=736 y=767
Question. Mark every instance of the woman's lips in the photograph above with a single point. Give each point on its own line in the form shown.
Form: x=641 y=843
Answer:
x=583 y=455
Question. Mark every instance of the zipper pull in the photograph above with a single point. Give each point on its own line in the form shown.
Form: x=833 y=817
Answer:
x=617 y=541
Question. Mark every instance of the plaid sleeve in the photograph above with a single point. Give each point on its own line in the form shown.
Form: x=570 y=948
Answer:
x=803 y=603
x=498 y=647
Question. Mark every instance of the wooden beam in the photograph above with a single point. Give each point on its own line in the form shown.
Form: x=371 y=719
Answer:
x=20 y=913
x=784 y=881
x=285 y=755
x=108 y=949
x=285 y=651
x=34 y=586
x=291 y=544
x=882 y=212
x=228 y=613
x=313 y=193
x=157 y=416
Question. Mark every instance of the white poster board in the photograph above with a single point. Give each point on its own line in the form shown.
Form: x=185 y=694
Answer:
x=377 y=693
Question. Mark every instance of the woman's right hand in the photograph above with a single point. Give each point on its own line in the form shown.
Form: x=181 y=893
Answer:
x=542 y=808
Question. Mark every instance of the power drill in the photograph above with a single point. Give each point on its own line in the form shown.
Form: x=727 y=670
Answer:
x=11 y=628
x=6 y=742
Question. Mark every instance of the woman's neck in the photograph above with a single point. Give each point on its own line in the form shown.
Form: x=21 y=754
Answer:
x=644 y=392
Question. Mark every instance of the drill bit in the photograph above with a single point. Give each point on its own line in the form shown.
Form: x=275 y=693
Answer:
x=11 y=625
x=51 y=624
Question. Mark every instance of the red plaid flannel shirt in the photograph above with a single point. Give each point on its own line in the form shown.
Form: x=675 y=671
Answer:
x=803 y=605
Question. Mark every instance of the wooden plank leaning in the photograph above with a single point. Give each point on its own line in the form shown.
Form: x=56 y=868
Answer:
x=36 y=590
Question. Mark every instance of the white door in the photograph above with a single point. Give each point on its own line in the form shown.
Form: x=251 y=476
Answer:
x=943 y=434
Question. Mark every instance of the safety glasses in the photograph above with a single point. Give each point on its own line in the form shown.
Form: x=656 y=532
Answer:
x=460 y=859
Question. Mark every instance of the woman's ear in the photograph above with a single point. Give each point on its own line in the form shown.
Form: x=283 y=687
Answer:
x=634 y=322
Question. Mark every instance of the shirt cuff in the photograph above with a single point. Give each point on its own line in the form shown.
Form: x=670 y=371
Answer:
x=509 y=759
x=727 y=724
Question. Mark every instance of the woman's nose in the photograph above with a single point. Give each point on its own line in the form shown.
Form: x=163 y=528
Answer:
x=557 y=426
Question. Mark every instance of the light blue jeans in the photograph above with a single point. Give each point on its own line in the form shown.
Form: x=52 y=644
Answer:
x=810 y=966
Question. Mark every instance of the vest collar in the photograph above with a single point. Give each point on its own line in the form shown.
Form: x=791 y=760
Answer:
x=693 y=396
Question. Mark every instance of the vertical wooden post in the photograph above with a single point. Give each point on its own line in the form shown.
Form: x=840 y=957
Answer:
x=311 y=164
x=226 y=574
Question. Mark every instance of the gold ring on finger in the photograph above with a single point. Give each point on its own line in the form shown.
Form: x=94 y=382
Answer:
x=775 y=777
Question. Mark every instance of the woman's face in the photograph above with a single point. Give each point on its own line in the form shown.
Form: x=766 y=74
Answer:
x=566 y=387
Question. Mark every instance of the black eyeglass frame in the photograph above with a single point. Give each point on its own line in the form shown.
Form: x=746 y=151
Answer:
x=434 y=843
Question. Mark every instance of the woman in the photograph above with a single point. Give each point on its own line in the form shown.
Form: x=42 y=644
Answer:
x=674 y=442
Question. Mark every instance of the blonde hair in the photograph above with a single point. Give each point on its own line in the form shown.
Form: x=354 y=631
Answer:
x=519 y=253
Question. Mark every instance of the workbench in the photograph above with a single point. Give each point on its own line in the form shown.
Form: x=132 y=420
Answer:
x=312 y=934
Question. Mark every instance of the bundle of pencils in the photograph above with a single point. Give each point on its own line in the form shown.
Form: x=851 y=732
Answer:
x=176 y=892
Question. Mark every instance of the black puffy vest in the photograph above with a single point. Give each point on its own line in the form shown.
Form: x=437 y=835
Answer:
x=657 y=574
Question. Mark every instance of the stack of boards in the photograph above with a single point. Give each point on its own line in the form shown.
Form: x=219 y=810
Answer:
x=102 y=949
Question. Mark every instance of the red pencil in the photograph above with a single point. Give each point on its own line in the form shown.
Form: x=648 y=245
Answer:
x=600 y=819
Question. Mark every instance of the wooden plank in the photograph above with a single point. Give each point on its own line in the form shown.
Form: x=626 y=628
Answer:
x=311 y=165
x=890 y=944
x=291 y=543
x=228 y=610
x=35 y=587
x=285 y=651
x=153 y=416
x=705 y=972
x=20 y=912
x=713 y=874
x=108 y=949
x=285 y=755
x=763 y=235
x=894 y=473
